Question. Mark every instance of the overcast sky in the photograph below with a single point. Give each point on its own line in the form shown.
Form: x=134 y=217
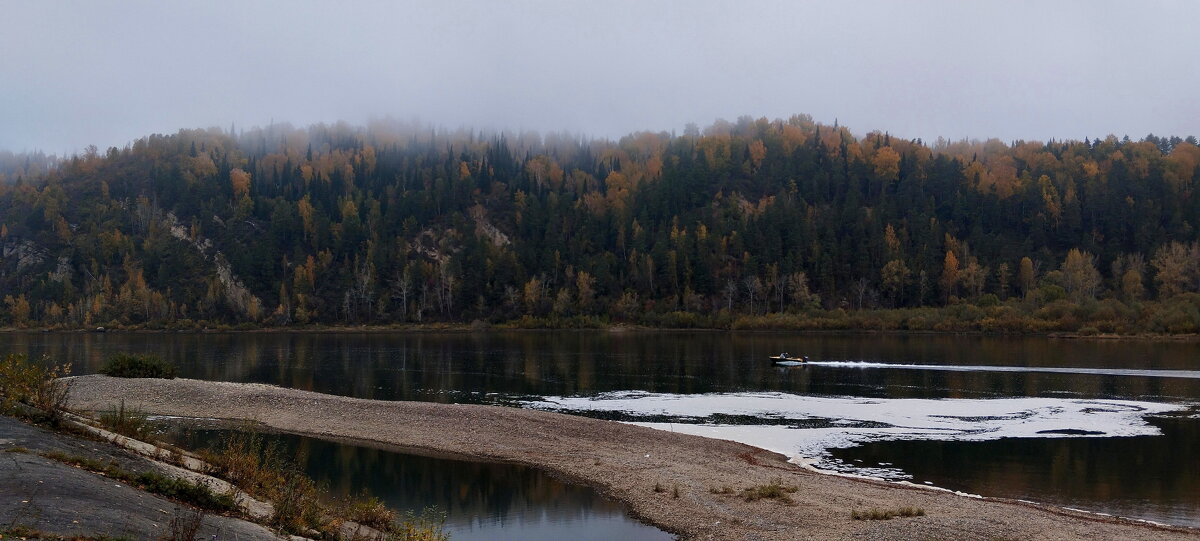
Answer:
x=104 y=73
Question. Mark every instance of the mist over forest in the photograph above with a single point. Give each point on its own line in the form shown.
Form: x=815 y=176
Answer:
x=758 y=223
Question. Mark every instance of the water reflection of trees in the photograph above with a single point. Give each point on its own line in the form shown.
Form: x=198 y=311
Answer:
x=458 y=366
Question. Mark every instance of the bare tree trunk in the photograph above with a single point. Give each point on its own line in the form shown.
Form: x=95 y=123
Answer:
x=861 y=287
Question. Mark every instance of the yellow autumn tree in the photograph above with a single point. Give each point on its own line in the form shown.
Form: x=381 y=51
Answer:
x=949 y=273
x=240 y=181
x=886 y=163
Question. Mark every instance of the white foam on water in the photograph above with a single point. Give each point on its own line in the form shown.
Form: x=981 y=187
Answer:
x=849 y=421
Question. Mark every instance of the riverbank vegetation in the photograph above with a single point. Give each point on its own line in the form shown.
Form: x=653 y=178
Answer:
x=787 y=224
x=137 y=366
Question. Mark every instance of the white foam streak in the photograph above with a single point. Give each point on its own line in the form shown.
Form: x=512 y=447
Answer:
x=849 y=421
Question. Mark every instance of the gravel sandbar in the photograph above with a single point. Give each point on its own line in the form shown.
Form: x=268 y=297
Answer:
x=627 y=463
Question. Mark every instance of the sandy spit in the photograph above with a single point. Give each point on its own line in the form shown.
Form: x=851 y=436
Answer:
x=626 y=463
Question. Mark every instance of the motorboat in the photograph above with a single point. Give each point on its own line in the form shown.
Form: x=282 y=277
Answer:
x=784 y=358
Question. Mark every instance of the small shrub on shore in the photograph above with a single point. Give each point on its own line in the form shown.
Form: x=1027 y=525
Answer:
x=773 y=491
x=887 y=514
x=138 y=366
x=16 y=379
x=34 y=384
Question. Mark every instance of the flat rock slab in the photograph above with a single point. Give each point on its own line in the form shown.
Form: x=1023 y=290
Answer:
x=55 y=498
x=684 y=484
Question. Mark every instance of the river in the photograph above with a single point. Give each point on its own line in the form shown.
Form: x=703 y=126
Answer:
x=1105 y=426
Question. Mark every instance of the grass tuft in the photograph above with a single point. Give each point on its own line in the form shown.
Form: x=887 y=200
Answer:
x=129 y=422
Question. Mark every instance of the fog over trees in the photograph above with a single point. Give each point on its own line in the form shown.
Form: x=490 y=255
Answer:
x=758 y=222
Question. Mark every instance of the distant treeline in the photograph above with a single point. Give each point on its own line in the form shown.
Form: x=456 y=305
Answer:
x=753 y=224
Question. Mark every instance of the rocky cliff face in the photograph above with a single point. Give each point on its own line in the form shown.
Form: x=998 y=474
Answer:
x=236 y=293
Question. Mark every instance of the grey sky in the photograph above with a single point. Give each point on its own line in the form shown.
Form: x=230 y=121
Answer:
x=104 y=73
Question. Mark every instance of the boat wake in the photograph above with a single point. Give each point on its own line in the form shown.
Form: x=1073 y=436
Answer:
x=867 y=365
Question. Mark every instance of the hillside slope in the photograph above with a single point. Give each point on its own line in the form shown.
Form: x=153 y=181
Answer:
x=399 y=223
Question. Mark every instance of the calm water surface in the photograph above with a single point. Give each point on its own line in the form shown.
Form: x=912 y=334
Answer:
x=1153 y=477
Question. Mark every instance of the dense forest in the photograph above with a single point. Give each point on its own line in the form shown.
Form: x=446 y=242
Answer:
x=753 y=224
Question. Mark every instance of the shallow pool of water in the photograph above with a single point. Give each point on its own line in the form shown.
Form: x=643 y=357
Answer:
x=481 y=501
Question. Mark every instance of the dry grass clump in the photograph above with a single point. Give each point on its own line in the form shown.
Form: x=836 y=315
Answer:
x=773 y=491
x=259 y=468
x=659 y=489
x=245 y=460
x=887 y=514
x=369 y=511
x=185 y=524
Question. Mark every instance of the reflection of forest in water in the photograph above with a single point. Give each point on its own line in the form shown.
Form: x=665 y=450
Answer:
x=1123 y=476
x=450 y=366
x=472 y=494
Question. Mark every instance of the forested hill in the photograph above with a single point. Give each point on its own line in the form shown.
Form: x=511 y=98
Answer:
x=399 y=223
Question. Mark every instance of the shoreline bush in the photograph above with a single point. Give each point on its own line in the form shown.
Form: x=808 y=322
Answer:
x=138 y=366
